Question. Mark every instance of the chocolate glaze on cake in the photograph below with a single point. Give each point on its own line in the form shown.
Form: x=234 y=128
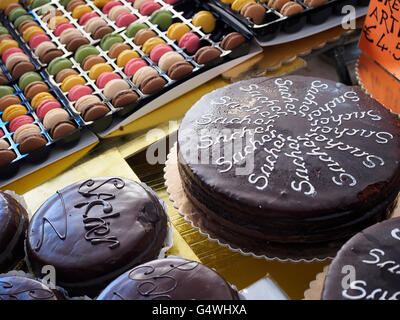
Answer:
x=22 y=288
x=367 y=266
x=318 y=161
x=13 y=225
x=95 y=230
x=170 y=279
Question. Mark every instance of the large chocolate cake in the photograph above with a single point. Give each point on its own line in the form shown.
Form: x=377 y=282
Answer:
x=94 y=230
x=289 y=167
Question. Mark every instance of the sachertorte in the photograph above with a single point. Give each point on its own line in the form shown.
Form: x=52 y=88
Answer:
x=290 y=167
x=95 y=230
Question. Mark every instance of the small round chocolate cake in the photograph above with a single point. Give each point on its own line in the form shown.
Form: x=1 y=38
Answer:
x=13 y=225
x=22 y=288
x=170 y=279
x=289 y=167
x=368 y=266
x=94 y=230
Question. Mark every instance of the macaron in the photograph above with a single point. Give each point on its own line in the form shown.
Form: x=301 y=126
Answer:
x=277 y=4
x=55 y=116
x=90 y=61
x=168 y=59
x=106 y=77
x=58 y=64
x=34 y=88
x=81 y=10
x=47 y=105
x=84 y=51
x=142 y=74
x=68 y=34
x=73 y=4
x=60 y=28
x=124 y=98
x=24 y=131
x=55 y=21
x=98 y=69
x=8 y=100
x=152 y=84
x=15 y=57
x=205 y=20
x=232 y=41
x=86 y=17
x=125 y=19
x=151 y=43
x=177 y=30
x=207 y=54
x=190 y=41
x=137 y=4
x=83 y=102
x=38 y=39
x=254 y=11
x=109 y=40
x=102 y=31
x=47 y=51
x=133 y=29
x=39 y=98
x=20 y=121
x=99 y=3
x=65 y=73
x=149 y=7
x=180 y=69
x=50 y=12
x=79 y=91
x=8 y=6
x=125 y=56
x=162 y=18
x=9 y=52
x=13 y=111
x=19 y=66
x=31 y=31
x=3 y=78
x=91 y=108
x=114 y=86
x=143 y=35
x=3 y=30
x=7 y=44
x=6 y=37
x=38 y=3
x=75 y=43
x=110 y=5
x=16 y=13
x=116 y=11
x=94 y=23
x=23 y=18
x=27 y=78
x=72 y=81
x=237 y=5
x=291 y=8
x=133 y=66
x=62 y=129
x=31 y=143
x=26 y=24
x=116 y=49
x=158 y=51
x=6 y=90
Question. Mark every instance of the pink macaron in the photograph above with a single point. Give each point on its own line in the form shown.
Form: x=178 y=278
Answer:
x=106 y=77
x=190 y=41
x=37 y=39
x=9 y=52
x=60 y=28
x=86 y=17
x=125 y=19
x=19 y=122
x=79 y=91
x=134 y=65
x=46 y=106
x=110 y=5
x=148 y=8
x=171 y=1
x=158 y=51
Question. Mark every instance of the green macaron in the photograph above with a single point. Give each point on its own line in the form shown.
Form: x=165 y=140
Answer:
x=84 y=51
x=3 y=30
x=109 y=39
x=58 y=64
x=6 y=90
x=28 y=78
x=38 y=3
x=65 y=2
x=16 y=13
x=134 y=28
x=21 y=19
x=163 y=18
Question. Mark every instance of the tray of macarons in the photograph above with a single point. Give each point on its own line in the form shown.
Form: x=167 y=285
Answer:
x=267 y=19
x=111 y=59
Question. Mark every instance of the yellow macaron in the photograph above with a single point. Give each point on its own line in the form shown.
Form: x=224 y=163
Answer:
x=227 y=1
x=205 y=20
x=151 y=43
x=39 y=98
x=237 y=5
x=13 y=111
x=101 y=3
x=177 y=30
x=125 y=56
x=5 y=3
x=31 y=31
x=7 y=44
x=80 y=10
x=72 y=81
x=98 y=69
x=54 y=21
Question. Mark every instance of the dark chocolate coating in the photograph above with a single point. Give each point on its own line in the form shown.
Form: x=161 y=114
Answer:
x=124 y=97
x=32 y=143
x=374 y=257
x=170 y=279
x=94 y=230
x=13 y=225
x=326 y=160
x=22 y=288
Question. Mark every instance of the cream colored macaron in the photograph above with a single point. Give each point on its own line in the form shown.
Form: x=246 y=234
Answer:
x=4 y=144
x=142 y=74
x=24 y=131
x=114 y=86
x=168 y=59
x=85 y=102
x=55 y=116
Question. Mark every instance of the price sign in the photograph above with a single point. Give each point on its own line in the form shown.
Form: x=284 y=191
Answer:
x=380 y=37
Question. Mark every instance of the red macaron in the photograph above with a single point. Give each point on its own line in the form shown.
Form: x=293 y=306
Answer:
x=79 y=91
x=46 y=106
x=9 y=52
x=19 y=122
x=37 y=39
x=60 y=28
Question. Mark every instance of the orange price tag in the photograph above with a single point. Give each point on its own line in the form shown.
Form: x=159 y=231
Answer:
x=380 y=38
